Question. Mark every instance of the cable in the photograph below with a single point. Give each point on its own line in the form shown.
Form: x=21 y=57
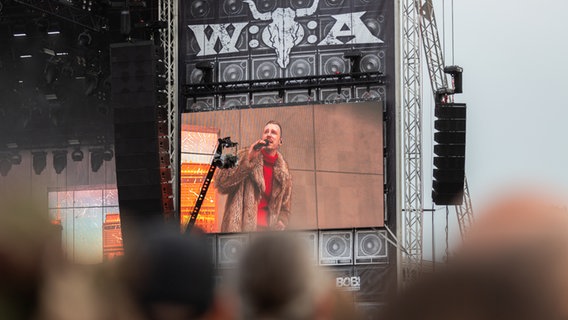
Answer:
x=453 y=42
x=447 y=232
x=444 y=26
x=433 y=242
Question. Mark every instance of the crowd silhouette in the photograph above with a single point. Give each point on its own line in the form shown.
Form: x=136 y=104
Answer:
x=512 y=265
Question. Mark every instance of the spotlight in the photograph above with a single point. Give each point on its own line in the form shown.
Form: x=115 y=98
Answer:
x=39 y=161
x=53 y=29
x=5 y=166
x=16 y=158
x=19 y=31
x=97 y=159
x=77 y=155
x=107 y=154
x=162 y=97
x=161 y=66
x=84 y=39
x=456 y=73
x=59 y=160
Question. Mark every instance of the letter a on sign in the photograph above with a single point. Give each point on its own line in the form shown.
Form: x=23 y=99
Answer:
x=349 y=26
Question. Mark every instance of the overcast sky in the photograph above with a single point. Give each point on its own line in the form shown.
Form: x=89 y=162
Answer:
x=514 y=54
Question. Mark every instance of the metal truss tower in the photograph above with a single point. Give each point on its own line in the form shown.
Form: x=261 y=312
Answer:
x=168 y=12
x=432 y=47
x=412 y=141
x=440 y=87
x=419 y=27
x=465 y=211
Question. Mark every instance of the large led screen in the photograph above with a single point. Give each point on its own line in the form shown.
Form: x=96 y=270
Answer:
x=328 y=172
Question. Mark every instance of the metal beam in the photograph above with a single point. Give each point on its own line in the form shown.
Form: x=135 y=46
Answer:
x=285 y=84
x=432 y=47
x=69 y=13
x=465 y=211
x=412 y=142
x=168 y=12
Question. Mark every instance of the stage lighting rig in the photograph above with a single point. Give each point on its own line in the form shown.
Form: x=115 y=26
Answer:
x=39 y=161
x=456 y=73
x=84 y=39
x=70 y=12
x=98 y=156
x=5 y=166
x=96 y=159
x=59 y=160
x=281 y=85
x=77 y=155
x=124 y=3
x=16 y=158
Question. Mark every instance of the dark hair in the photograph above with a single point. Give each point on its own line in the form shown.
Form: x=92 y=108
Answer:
x=276 y=123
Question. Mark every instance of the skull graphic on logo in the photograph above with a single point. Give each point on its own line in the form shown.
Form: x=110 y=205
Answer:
x=283 y=32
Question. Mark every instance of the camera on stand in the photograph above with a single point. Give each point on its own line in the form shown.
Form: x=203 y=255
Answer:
x=225 y=161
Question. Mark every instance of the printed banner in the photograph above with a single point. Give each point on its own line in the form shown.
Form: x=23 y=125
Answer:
x=268 y=39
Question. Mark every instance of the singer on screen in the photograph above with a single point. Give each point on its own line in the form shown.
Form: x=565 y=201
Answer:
x=259 y=188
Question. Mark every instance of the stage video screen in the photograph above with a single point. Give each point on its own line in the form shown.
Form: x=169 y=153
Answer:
x=294 y=168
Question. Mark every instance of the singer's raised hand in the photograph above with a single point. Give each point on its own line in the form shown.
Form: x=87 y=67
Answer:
x=254 y=150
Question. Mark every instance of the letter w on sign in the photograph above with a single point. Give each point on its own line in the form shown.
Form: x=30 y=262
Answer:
x=218 y=32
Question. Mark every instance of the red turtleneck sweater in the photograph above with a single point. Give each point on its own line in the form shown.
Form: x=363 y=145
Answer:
x=268 y=170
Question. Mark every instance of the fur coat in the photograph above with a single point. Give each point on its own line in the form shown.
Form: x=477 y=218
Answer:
x=244 y=185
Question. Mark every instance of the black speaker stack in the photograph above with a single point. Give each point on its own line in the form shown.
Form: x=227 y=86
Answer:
x=449 y=151
x=143 y=171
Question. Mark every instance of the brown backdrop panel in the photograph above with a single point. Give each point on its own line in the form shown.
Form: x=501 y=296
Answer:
x=297 y=132
x=349 y=200
x=303 y=213
x=227 y=121
x=349 y=137
x=228 y=124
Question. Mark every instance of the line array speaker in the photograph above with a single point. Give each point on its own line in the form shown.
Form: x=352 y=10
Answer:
x=137 y=142
x=449 y=150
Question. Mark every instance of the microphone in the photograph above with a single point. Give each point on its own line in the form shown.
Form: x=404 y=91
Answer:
x=259 y=145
